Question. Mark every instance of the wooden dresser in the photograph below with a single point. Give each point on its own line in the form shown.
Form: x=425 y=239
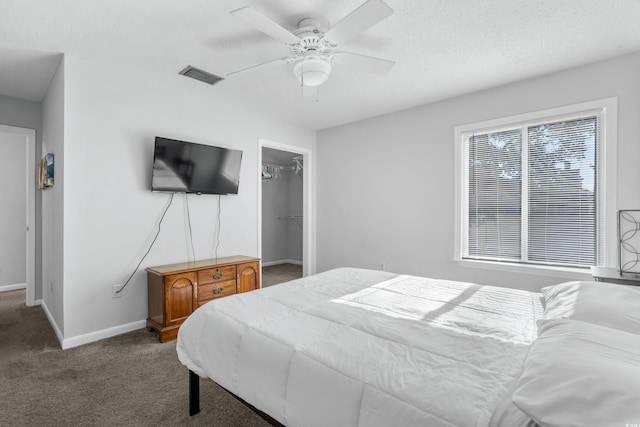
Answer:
x=176 y=290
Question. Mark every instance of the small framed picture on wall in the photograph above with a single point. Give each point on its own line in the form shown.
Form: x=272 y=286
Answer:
x=45 y=172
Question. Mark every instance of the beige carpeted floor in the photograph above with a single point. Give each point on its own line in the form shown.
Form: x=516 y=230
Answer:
x=128 y=380
x=279 y=273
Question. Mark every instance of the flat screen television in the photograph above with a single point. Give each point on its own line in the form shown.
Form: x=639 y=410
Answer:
x=187 y=167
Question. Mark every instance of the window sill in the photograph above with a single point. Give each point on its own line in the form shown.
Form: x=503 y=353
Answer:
x=564 y=272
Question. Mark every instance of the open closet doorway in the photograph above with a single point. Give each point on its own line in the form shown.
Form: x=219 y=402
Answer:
x=283 y=224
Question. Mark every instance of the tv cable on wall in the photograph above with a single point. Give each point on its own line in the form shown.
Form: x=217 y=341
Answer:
x=151 y=245
x=186 y=201
x=216 y=235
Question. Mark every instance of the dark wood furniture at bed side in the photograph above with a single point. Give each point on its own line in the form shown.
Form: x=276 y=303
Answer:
x=176 y=290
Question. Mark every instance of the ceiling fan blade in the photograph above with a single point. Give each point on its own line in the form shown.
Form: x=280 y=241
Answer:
x=365 y=63
x=368 y=14
x=272 y=63
x=264 y=24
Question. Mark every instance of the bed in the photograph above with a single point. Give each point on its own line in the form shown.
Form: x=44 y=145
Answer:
x=354 y=347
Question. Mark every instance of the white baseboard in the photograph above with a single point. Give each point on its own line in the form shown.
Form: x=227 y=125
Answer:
x=52 y=322
x=102 y=334
x=78 y=340
x=284 y=261
x=7 y=288
x=66 y=343
x=36 y=302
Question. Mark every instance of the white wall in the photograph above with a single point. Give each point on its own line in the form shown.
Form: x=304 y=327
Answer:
x=294 y=226
x=281 y=238
x=275 y=197
x=53 y=209
x=13 y=209
x=28 y=114
x=385 y=186
x=110 y=214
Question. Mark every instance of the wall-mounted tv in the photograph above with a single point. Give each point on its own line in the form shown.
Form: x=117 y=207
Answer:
x=187 y=167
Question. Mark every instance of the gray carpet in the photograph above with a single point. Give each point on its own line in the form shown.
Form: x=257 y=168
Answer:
x=128 y=380
x=279 y=273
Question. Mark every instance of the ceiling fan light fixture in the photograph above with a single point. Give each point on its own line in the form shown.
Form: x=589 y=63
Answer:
x=312 y=71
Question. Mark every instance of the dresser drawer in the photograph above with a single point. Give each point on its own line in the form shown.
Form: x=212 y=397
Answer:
x=216 y=290
x=215 y=275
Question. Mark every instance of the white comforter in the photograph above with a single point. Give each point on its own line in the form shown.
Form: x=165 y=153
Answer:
x=353 y=347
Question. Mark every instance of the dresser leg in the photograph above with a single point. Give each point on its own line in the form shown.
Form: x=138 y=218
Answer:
x=194 y=393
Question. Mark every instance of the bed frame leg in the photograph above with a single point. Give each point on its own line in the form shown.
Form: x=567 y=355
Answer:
x=194 y=393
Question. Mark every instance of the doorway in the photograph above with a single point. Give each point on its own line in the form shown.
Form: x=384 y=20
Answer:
x=17 y=245
x=284 y=197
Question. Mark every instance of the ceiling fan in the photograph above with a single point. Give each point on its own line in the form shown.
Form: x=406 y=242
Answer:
x=314 y=48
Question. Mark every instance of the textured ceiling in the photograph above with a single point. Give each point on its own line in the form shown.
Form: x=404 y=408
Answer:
x=26 y=74
x=442 y=48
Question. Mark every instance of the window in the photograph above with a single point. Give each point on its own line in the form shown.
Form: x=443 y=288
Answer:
x=532 y=188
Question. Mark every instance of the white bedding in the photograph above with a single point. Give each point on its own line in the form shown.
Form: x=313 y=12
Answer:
x=352 y=347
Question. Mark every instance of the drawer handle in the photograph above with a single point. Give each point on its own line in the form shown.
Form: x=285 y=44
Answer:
x=217 y=275
x=218 y=291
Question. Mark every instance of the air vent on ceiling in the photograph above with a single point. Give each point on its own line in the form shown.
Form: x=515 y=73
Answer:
x=203 y=76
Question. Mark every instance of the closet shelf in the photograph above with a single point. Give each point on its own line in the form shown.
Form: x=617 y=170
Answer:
x=289 y=216
x=275 y=171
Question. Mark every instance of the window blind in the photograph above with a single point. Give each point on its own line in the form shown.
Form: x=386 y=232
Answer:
x=562 y=217
x=495 y=195
x=532 y=193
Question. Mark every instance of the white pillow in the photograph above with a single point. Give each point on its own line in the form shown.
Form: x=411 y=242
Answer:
x=581 y=374
x=606 y=304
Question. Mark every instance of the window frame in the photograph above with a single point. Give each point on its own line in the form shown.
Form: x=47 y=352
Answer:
x=607 y=226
